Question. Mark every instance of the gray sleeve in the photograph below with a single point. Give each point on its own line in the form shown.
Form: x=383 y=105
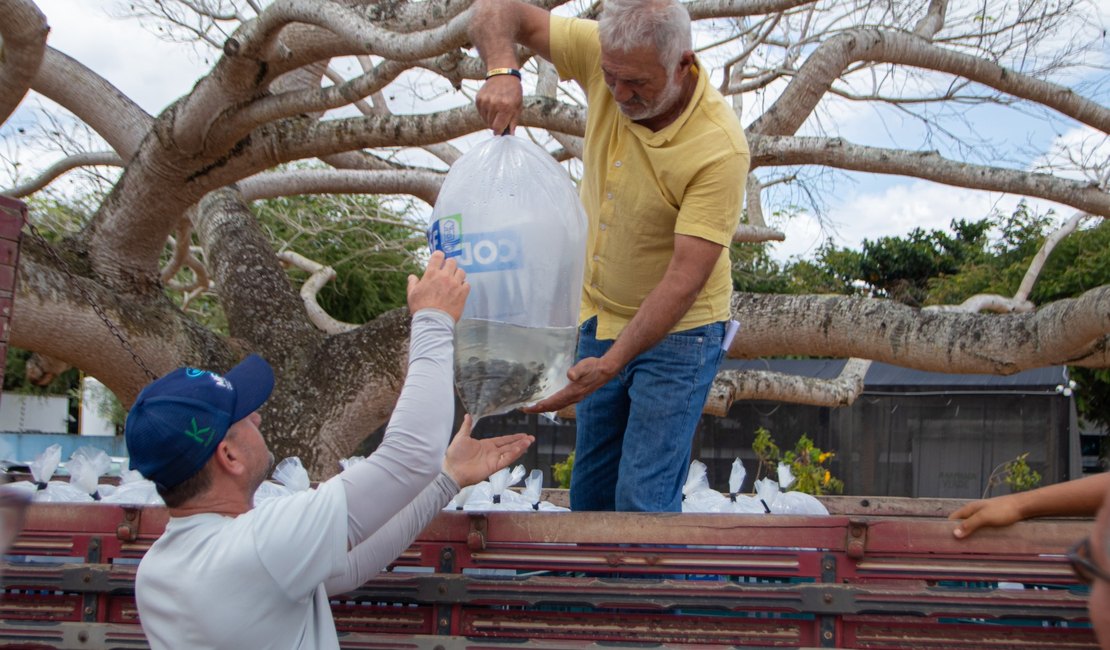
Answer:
x=376 y=552
x=411 y=453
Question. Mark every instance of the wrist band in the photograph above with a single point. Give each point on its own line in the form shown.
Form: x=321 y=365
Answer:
x=500 y=71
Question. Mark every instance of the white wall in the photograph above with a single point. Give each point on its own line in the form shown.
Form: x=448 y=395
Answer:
x=91 y=423
x=33 y=413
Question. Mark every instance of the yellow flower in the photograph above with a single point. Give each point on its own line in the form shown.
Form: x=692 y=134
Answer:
x=828 y=476
x=825 y=455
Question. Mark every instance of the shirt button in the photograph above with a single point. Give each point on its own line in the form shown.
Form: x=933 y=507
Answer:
x=609 y=196
x=596 y=258
x=593 y=284
x=603 y=226
x=617 y=164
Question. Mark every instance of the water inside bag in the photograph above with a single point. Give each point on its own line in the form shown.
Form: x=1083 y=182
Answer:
x=501 y=366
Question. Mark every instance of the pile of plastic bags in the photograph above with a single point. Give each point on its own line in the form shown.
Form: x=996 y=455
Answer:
x=495 y=494
x=85 y=466
x=771 y=497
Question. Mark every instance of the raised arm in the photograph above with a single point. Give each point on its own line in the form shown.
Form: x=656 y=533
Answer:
x=496 y=27
x=1076 y=498
x=412 y=450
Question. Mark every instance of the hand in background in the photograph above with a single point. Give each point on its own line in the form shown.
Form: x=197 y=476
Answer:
x=470 y=461
x=443 y=287
x=991 y=513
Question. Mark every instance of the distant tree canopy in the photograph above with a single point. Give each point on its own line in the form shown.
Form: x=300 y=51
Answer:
x=986 y=256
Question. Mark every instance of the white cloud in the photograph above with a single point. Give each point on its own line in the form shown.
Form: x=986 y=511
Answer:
x=150 y=71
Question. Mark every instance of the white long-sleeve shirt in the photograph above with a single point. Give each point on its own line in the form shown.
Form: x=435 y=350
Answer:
x=258 y=580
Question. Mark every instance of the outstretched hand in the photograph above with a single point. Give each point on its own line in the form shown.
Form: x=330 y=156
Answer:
x=990 y=513
x=585 y=377
x=470 y=461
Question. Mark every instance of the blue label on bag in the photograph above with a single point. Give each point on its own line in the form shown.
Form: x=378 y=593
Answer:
x=445 y=234
x=480 y=252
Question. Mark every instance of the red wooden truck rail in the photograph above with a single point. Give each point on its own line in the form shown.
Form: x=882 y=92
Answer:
x=868 y=576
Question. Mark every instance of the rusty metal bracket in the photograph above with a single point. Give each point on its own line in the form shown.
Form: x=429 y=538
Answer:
x=856 y=544
x=128 y=529
x=476 y=538
x=446 y=560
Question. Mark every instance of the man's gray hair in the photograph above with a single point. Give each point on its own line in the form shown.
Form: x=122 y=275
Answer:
x=626 y=25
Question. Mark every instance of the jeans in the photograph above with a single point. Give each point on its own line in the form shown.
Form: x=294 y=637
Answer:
x=634 y=433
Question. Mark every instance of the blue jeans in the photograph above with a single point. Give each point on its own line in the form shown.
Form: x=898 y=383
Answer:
x=635 y=432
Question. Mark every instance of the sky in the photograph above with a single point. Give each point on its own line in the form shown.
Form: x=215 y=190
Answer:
x=855 y=206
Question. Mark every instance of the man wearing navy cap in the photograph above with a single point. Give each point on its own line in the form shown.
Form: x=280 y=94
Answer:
x=226 y=575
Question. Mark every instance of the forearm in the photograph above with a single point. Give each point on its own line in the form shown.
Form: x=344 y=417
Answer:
x=412 y=450
x=377 y=551
x=1080 y=497
x=493 y=30
x=663 y=307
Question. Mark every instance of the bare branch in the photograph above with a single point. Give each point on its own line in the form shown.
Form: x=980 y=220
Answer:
x=103 y=158
x=834 y=56
x=834 y=152
x=734 y=385
x=319 y=276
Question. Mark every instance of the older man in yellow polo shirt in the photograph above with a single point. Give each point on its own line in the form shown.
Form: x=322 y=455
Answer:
x=665 y=164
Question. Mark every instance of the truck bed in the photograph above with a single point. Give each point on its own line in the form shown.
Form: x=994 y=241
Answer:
x=878 y=573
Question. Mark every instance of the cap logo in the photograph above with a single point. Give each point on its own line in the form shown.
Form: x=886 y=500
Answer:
x=197 y=433
x=193 y=373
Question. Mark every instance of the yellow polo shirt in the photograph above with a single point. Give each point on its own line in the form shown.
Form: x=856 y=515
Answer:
x=640 y=188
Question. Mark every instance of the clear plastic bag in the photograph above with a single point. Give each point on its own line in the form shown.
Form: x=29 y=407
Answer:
x=697 y=496
x=511 y=217
x=533 y=493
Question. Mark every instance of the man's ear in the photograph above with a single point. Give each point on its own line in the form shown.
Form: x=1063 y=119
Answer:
x=685 y=62
x=228 y=456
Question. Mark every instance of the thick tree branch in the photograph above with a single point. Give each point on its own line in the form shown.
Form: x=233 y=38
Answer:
x=835 y=55
x=265 y=309
x=1062 y=332
x=23 y=33
x=94 y=101
x=834 y=152
x=700 y=9
x=423 y=185
x=734 y=385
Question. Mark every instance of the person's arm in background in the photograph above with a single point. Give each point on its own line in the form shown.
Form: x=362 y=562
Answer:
x=496 y=26
x=666 y=304
x=1075 y=498
x=468 y=461
x=411 y=453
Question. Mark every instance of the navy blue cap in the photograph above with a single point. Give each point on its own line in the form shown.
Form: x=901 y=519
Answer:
x=179 y=419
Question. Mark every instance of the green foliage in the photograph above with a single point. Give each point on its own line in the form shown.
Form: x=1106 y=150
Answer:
x=1092 y=394
x=806 y=461
x=936 y=267
x=105 y=403
x=15 y=377
x=561 y=471
x=371 y=248
x=1016 y=474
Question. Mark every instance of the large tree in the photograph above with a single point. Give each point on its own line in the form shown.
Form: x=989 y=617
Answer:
x=189 y=176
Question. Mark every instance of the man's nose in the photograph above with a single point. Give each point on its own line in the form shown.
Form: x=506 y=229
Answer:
x=621 y=92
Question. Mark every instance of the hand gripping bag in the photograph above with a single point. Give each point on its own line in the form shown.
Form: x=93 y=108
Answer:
x=510 y=216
